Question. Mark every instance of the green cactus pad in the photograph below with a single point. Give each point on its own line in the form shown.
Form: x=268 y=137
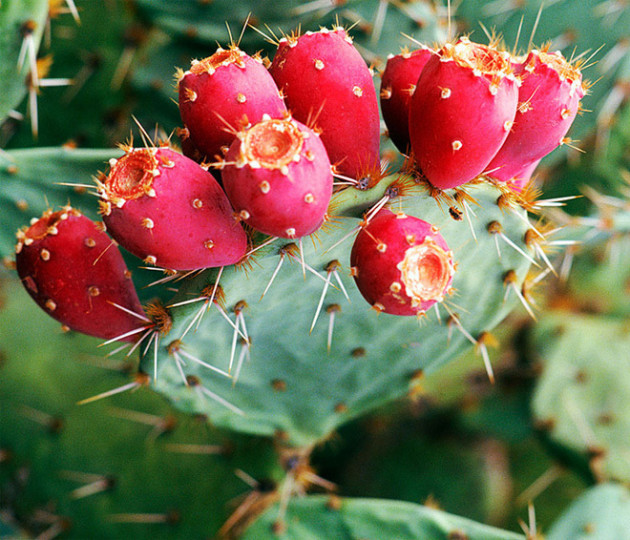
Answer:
x=416 y=459
x=292 y=384
x=601 y=513
x=51 y=447
x=14 y=14
x=600 y=278
x=581 y=400
x=319 y=518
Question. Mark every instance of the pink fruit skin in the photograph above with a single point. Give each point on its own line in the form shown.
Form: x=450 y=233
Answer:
x=458 y=119
x=211 y=104
x=74 y=273
x=397 y=86
x=548 y=104
x=290 y=204
x=188 y=224
x=328 y=85
x=377 y=270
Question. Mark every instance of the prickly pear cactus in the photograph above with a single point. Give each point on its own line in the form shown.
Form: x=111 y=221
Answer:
x=340 y=357
x=251 y=369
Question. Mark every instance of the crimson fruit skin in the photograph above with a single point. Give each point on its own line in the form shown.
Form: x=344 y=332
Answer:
x=220 y=93
x=401 y=264
x=549 y=100
x=166 y=209
x=278 y=178
x=398 y=84
x=71 y=269
x=327 y=85
x=461 y=112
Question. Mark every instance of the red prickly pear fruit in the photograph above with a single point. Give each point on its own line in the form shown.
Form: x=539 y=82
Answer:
x=549 y=99
x=278 y=178
x=461 y=112
x=75 y=273
x=398 y=84
x=169 y=211
x=401 y=264
x=222 y=92
x=327 y=85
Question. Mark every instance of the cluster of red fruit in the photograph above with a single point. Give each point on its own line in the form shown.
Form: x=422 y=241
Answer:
x=467 y=110
x=274 y=136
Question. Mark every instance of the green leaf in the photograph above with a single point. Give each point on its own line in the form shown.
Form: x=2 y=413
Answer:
x=319 y=518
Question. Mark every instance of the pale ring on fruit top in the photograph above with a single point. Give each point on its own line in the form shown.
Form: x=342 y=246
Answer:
x=131 y=176
x=272 y=144
x=481 y=58
x=426 y=271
